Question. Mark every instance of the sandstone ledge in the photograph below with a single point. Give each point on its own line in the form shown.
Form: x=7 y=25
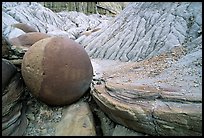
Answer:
x=154 y=117
x=158 y=96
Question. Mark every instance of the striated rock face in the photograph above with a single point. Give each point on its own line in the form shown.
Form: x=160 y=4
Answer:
x=107 y=8
x=113 y=7
x=57 y=70
x=20 y=18
x=77 y=120
x=14 y=121
x=143 y=30
x=158 y=96
x=161 y=94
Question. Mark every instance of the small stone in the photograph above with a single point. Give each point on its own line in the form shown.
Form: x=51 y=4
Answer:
x=77 y=117
x=14 y=57
x=43 y=131
x=31 y=116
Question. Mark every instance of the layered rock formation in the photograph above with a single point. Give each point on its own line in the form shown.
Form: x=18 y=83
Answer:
x=105 y=8
x=159 y=96
x=42 y=19
x=14 y=121
x=144 y=30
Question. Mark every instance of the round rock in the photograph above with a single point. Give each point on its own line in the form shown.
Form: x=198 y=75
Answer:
x=25 y=27
x=57 y=70
x=28 y=38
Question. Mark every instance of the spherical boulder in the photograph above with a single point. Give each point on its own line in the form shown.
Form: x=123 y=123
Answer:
x=28 y=39
x=25 y=27
x=57 y=70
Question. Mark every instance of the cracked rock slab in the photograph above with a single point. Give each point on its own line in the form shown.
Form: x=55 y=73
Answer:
x=123 y=131
x=156 y=96
x=77 y=120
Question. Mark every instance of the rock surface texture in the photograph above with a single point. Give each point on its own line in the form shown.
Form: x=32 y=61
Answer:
x=41 y=19
x=143 y=30
x=27 y=39
x=77 y=120
x=147 y=66
x=14 y=121
x=159 y=96
x=24 y=27
x=57 y=70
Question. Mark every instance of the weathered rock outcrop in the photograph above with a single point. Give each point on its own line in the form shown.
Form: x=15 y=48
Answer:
x=14 y=121
x=77 y=120
x=144 y=30
x=158 y=96
x=161 y=95
x=159 y=90
x=42 y=19
x=105 y=8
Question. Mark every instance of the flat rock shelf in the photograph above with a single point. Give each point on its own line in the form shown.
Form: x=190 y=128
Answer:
x=155 y=96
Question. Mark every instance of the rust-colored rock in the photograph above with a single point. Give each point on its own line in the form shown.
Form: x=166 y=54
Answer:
x=25 y=27
x=57 y=70
x=28 y=39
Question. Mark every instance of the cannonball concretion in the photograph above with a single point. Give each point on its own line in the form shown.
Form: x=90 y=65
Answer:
x=57 y=70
